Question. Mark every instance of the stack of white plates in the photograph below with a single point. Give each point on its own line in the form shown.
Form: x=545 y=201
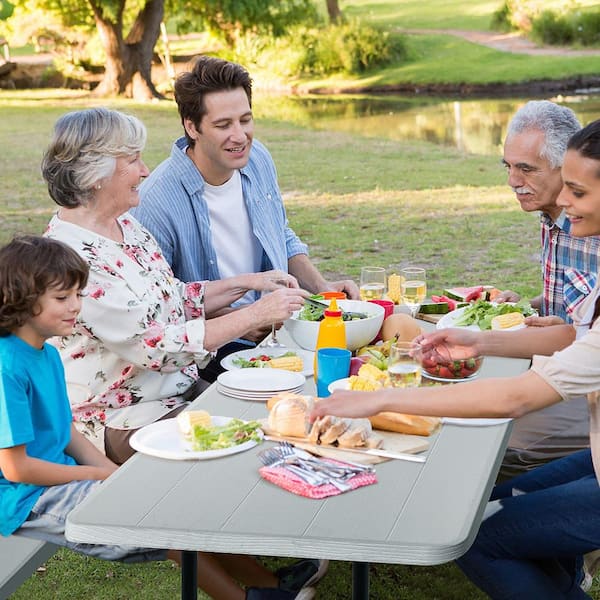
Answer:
x=259 y=384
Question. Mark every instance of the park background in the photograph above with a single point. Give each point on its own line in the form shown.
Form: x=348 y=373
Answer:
x=355 y=198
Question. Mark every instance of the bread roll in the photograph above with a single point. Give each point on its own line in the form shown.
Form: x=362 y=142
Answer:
x=289 y=415
x=401 y=423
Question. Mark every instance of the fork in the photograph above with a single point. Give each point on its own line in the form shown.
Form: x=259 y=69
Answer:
x=272 y=457
x=347 y=469
x=269 y=458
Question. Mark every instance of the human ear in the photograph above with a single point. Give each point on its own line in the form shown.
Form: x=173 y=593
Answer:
x=190 y=129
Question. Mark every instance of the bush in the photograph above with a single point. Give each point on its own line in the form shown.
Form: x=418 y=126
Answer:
x=587 y=27
x=552 y=28
x=348 y=48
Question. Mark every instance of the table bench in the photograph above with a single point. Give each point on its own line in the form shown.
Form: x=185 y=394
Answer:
x=19 y=558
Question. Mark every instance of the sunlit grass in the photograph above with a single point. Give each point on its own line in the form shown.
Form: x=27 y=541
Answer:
x=450 y=60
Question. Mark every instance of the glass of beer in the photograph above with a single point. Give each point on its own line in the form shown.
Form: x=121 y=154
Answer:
x=404 y=368
x=414 y=287
x=372 y=283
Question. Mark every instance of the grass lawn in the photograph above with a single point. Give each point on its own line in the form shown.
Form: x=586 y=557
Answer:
x=389 y=201
x=356 y=201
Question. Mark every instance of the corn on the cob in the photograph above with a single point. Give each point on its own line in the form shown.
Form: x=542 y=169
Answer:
x=394 y=291
x=289 y=363
x=369 y=371
x=507 y=320
x=365 y=385
x=187 y=419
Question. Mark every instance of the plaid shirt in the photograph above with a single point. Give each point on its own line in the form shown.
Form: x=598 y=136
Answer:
x=569 y=267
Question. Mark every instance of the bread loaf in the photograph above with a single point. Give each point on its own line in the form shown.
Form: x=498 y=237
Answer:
x=401 y=423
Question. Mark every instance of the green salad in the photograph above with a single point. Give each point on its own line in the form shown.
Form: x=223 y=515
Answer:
x=310 y=312
x=482 y=312
x=216 y=437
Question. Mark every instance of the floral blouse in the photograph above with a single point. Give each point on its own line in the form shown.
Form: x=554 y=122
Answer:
x=138 y=341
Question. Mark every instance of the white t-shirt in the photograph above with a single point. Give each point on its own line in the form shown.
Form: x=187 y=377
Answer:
x=238 y=251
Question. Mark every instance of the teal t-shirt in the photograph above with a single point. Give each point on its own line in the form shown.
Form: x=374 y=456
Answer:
x=35 y=411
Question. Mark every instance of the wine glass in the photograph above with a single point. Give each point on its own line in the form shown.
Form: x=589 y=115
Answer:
x=414 y=287
x=404 y=367
x=271 y=341
x=372 y=283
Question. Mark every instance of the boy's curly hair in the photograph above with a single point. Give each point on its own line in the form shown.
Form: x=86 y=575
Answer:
x=29 y=265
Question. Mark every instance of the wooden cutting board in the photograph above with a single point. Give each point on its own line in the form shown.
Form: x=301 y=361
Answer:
x=395 y=442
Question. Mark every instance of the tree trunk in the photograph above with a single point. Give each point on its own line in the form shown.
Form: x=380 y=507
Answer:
x=333 y=10
x=128 y=69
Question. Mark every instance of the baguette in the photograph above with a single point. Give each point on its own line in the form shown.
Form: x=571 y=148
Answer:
x=401 y=423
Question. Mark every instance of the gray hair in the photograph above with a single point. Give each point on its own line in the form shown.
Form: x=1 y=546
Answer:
x=557 y=123
x=84 y=149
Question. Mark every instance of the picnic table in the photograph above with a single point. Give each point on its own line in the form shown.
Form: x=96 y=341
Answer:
x=416 y=514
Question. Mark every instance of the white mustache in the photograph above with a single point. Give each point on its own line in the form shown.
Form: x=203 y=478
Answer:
x=522 y=190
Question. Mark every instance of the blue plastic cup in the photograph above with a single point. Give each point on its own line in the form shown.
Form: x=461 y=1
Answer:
x=332 y=364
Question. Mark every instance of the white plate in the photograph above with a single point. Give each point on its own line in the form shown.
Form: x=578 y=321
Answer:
x=261 y=380
x=449 y=320
x=473 y=422
x=306 y=356
x=339 y=384
x=164 y=440
x=253 y=397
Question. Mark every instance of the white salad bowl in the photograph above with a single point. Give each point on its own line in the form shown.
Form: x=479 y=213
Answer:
x=359 y=332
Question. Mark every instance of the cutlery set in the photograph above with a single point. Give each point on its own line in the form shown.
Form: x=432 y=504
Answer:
x=311 y=469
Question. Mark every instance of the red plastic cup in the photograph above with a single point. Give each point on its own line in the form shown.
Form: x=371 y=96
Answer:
x=388 y=308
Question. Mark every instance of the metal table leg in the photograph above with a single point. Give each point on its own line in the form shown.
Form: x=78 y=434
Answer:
x=360 y=581
x=189 y=575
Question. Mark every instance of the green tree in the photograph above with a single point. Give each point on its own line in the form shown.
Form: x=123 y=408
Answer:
x=333 y=10
x=231 y=19
x=129 y=30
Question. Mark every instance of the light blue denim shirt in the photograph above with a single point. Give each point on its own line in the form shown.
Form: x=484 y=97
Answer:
x=173 y=208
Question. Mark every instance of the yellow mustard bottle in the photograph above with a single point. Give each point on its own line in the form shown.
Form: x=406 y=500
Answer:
x=332 y=331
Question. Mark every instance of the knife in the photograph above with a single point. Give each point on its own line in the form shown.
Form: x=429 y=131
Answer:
x=370 y=451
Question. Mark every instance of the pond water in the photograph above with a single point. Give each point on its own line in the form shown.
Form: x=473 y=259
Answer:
x=475 y=126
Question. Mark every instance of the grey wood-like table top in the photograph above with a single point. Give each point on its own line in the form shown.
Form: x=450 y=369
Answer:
x=418 y=513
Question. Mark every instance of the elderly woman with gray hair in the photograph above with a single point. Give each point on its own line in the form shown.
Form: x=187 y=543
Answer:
x=141 y=334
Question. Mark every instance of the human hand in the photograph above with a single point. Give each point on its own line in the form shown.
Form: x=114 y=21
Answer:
x=346 y=403
x=346 y=285
x=458 y=343
x=267 y=281
x=278 y=305
x=102 y=472
x=507 y=296
x=258 y=334
x=536 y=321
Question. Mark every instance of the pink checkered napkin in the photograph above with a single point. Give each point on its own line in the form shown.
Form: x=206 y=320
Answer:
x=292 y=483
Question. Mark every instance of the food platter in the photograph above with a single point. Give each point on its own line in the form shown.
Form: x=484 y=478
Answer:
x=449 y=379
x=163 y=439
x=306 y=356
x=449 y=320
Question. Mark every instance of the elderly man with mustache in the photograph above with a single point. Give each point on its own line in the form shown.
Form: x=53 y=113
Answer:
x=534 y=149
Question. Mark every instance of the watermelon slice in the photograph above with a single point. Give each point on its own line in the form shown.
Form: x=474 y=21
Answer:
x=465 y=294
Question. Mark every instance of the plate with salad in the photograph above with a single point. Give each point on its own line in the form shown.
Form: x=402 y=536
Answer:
x=225 y=436
x=479 y=314
x=261 y=358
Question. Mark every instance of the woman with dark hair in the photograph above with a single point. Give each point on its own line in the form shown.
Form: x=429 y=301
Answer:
x=537 y=526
